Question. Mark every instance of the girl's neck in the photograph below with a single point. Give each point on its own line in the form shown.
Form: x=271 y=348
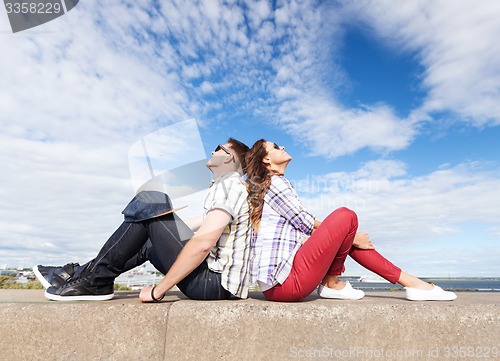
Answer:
x=277 y=170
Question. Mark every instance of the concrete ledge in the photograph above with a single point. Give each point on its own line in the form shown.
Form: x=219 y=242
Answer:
x=382 y=326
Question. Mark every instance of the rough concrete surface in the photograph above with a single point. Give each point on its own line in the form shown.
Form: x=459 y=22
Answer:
x=34 y=328
x=382 y=326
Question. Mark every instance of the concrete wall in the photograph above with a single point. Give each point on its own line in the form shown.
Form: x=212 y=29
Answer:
x=382 y=326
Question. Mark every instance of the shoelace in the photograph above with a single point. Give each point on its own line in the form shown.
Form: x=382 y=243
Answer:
x=75 y=280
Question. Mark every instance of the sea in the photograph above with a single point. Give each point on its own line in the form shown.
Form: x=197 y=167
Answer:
x=464 y=284
x=140 y=277
x=136 y=281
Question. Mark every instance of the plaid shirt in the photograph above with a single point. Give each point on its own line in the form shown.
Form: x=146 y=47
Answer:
x=283 y=224
x=230 y=255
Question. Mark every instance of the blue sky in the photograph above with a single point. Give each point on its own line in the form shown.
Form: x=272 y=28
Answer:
x=391 y=111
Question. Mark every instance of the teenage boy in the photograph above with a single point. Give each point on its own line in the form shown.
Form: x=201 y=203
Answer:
x=211 y=264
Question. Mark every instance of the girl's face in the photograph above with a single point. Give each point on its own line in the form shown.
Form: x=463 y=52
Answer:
x=276 y=159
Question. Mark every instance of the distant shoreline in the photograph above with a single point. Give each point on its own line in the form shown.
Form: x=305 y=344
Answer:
x=459 y=284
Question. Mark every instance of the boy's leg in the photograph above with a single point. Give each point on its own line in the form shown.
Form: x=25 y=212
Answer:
x=59 y=275
x=127 y=248
x=168 y=235
x=96 y=281
x=112 y=260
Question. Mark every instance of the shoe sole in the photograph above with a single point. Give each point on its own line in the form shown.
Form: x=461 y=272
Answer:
x=429 y=299
x=53 y=297
x=341 y=298
x=40 y=278
x=441 y=295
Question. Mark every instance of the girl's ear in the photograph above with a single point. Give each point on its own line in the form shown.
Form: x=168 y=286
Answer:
x=266 y=161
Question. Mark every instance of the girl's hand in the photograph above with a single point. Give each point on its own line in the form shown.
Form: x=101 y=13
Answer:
x=362 y=241
x=316 y=225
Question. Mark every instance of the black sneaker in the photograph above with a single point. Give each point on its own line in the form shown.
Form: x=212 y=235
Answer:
x=54 y=276
x=80 y=289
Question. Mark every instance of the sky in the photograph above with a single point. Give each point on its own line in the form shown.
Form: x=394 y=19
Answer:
x=389 y=108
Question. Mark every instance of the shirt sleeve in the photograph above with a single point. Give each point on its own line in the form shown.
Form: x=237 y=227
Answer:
x=228 y=196
x=284 y=200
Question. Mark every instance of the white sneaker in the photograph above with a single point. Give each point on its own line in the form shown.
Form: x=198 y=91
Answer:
x=346 y=293
x=436 y=294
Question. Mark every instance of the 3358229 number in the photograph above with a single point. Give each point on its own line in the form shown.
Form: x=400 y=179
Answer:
x=33 y=8
x=457 y=352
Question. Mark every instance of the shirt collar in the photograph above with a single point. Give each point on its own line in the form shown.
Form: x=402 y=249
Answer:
x=223 y=177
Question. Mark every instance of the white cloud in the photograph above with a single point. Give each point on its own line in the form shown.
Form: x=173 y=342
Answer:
x=334 y=131
x=456 y=44
x=258 y=12
x=78 y=91
x=441 y=262
x=74 y=95
x=406 y=215
x=441 y=198
x=306 y=105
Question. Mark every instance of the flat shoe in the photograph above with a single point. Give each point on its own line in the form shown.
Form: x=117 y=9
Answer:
x=436 y=294
x=346 y=293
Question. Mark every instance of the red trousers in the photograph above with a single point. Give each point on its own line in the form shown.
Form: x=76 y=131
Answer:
x=325 y=253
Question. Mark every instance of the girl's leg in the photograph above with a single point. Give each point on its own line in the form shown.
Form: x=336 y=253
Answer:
x=375 y=262
x=407 y=280
x=323 y=253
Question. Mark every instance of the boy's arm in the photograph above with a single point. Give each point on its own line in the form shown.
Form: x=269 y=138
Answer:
x=192 y=255
x=194 y=223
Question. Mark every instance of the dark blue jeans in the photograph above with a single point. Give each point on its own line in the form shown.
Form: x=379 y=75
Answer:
x=158 y=240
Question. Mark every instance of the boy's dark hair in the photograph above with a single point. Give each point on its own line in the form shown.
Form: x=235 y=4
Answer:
x=241 y=150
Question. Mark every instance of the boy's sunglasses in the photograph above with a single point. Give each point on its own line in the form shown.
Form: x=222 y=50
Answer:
x=219 y=147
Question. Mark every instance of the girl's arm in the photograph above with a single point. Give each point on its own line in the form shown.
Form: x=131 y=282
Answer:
x=316 y=225
x=362 y=241
x=283 y=199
